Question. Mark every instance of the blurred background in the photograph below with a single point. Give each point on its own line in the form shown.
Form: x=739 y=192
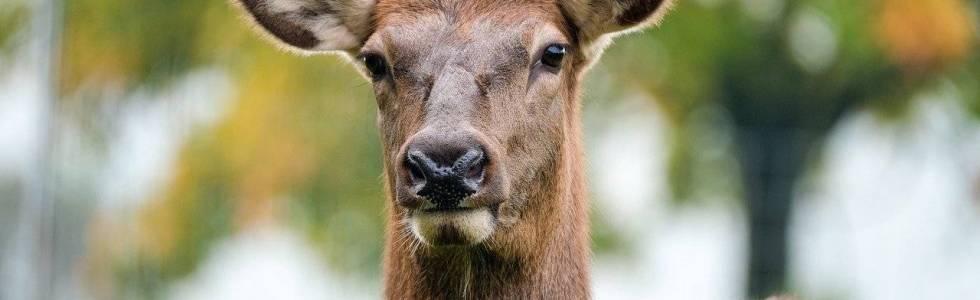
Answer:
x=828 y=149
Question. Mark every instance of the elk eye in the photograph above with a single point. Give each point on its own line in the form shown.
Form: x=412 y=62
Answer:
x=553 y=55
x=375 y=65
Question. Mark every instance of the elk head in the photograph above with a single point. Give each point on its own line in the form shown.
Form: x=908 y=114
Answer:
x=475 y=98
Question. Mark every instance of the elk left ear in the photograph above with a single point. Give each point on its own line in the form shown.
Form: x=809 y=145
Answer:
x=598 y=20
x=313 y=26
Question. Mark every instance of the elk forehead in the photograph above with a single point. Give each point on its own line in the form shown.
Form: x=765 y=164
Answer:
x=461 y=12
x=419 y=41
x=447 y=60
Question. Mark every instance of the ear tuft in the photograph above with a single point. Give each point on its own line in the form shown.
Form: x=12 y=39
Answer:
x=639 y=12
x=597 y=18
x=313 y=25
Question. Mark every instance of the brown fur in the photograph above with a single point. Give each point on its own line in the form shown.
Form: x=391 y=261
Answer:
x=466 y=71
x=541 y=248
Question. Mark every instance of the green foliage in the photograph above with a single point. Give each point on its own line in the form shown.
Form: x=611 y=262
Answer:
x=145 y=43
x=743 y=58
x=13 y=18
x=965 y=77
x=298 y=147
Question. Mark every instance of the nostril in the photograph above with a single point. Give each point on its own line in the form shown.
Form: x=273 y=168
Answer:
x=471 y=164
x=416 y=166
x=475 y=172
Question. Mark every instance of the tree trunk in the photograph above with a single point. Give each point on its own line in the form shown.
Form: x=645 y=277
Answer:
x=772 y=158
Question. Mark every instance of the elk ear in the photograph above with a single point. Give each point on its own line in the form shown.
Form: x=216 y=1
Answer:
x=313 y=25
x=598 y=20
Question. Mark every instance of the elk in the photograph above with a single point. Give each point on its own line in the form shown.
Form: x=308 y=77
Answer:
x=478 y=111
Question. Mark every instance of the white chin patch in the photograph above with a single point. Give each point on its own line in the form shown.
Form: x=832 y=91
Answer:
x=459 y=227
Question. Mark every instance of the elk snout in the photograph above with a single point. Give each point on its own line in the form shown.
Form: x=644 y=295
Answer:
x=445 y=173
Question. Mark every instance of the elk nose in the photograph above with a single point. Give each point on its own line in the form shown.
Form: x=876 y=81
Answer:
x=445 y=175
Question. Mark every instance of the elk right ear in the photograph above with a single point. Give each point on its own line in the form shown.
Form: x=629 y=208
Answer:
x=314 y=25
x=600 y=20
x=600 y=17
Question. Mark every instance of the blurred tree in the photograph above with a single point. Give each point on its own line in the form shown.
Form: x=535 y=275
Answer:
x=294 y=149
x=786 y=72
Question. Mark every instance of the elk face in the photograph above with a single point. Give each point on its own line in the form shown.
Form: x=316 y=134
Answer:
x=474 y=97
x=471 y=109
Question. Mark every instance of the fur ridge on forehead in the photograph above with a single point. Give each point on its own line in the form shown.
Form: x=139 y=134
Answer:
x=461 y=12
